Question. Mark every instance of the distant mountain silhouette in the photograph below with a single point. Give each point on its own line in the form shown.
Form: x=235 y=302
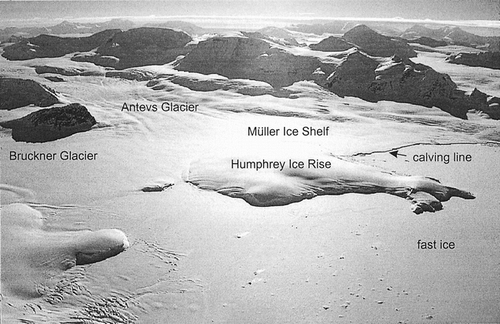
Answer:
x=64 y=27
x=367 y=40
x=453 y=35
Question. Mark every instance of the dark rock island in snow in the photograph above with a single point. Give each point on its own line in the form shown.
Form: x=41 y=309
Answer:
x=487 y=59
x=15 y=93
x=396 y=79
x=51 y=124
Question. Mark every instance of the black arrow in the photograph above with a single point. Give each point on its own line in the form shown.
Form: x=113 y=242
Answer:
x=396 y=153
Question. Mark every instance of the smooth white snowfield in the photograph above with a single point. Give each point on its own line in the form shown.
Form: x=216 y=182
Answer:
x=197 y=256
x=31 y=255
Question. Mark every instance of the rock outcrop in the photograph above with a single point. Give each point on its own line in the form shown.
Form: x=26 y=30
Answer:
x=54 y=46
x=140 y=47
x=487 y=59
x=367 y=40
x=43 y=69
x=482 y=102
x=332 y=44
x=15 y=93
x=375 y=44
x=427 y=41
x=249 y=58
x=110 y=48
x=51 y=124
x=399 y=80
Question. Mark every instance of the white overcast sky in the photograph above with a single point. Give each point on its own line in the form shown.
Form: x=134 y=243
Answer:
x=409 y=9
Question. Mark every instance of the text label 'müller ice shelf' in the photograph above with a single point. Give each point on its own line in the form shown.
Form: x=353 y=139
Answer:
x=167 y=106
x=270 y=131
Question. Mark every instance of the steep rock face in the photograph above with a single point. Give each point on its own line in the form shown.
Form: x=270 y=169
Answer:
x=375 y=44
x=144 y=46
x=488 y=59
x=249 y=58
x=54 y=46
x=50 y=124
x=398 y=80
x=489 y=105
x=332 y=44
x=15 y=93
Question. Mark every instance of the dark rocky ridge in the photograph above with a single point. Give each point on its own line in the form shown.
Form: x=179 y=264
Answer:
x=375 y=44
x=54 y=46
x=15 y=93
x=113 y=48
x=400 y=80
x=332 y=44
x=250 y=58
x=51 y=124
x=487 y=59
x=427 y=41
x=43 y=69
x=367 y=40
x=139 y=47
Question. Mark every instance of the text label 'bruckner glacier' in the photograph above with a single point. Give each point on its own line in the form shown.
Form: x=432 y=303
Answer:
x=51 y=156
